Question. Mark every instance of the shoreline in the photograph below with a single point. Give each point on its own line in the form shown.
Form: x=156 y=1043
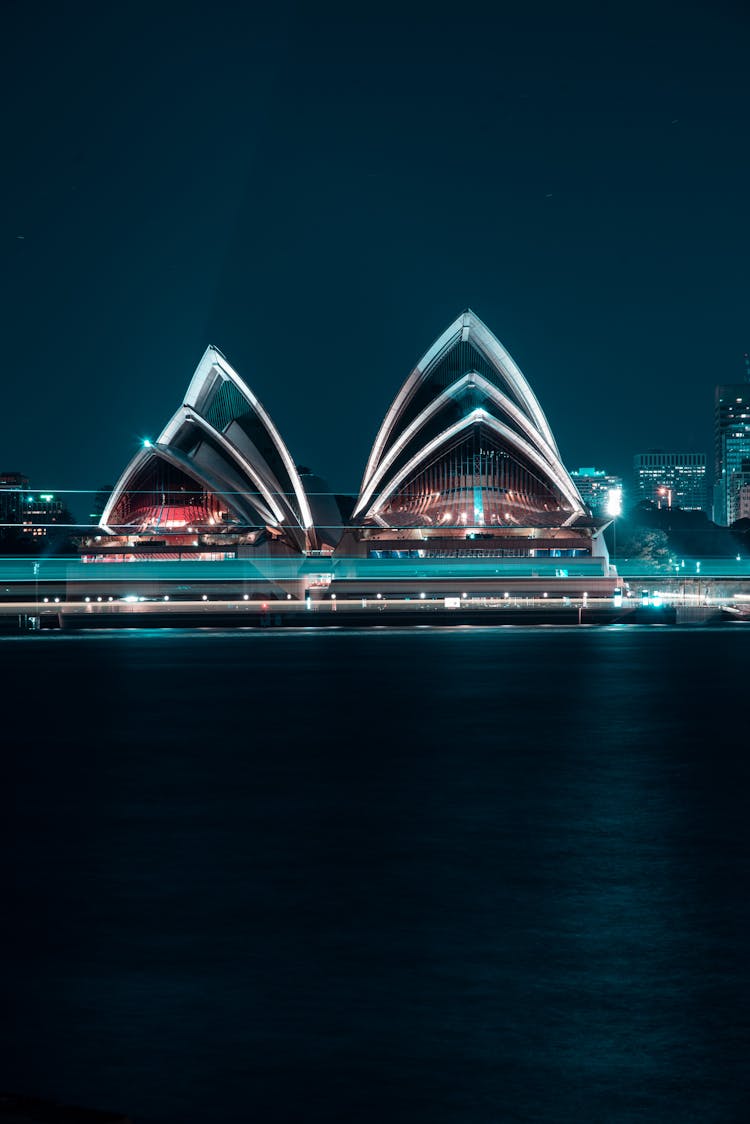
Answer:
x=77 y=618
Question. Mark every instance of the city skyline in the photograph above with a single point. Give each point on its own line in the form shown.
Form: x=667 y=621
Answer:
x=586 y=196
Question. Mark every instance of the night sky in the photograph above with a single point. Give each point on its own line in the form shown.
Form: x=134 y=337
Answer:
x=319 y=189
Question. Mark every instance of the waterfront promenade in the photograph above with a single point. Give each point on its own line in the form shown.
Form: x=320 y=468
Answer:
x=323 y=591
x=364 y=613
x=73 y=579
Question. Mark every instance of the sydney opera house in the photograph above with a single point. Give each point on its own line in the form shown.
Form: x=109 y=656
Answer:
x=463 y=466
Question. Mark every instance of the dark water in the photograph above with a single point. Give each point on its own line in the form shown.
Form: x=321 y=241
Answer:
x=437 y=876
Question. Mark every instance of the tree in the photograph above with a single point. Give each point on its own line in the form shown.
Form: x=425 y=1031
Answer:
x=644 y=544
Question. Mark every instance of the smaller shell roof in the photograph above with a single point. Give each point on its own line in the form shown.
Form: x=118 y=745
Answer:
x=222 y=432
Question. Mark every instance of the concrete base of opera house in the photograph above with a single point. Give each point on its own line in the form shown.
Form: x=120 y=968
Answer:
x=315 y=580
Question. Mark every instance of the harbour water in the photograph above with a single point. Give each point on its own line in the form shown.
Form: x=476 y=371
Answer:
x=439 y=875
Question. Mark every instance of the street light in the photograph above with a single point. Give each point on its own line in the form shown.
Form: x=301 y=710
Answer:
x=664 y=491
x=614 y=508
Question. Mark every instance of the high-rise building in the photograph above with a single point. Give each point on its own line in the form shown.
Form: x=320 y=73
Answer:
x=739 y=493
x=671 y=479
x=731 y=441
x=595 y=486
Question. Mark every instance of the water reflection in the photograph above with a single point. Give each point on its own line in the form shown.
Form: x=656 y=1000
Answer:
x=431 y=876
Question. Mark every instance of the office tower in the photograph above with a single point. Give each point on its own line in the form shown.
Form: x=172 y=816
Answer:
x=739 y=493
x=731 y=441
x=671 y=479
x=594 y=486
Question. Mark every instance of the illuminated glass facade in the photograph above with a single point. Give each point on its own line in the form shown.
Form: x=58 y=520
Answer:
x=739 y=493
x=671 y=479
x=595 y=486
x=731 y=443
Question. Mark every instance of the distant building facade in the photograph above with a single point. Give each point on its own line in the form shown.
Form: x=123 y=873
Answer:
x=595 y=486
x=739 y=493
x=671 y=479
x=731 y=444
x=12 y=489
x=25 y=513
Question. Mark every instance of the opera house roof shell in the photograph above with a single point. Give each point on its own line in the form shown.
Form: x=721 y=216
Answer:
x=464 y=449
x=466 y=432
x=219 y=463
